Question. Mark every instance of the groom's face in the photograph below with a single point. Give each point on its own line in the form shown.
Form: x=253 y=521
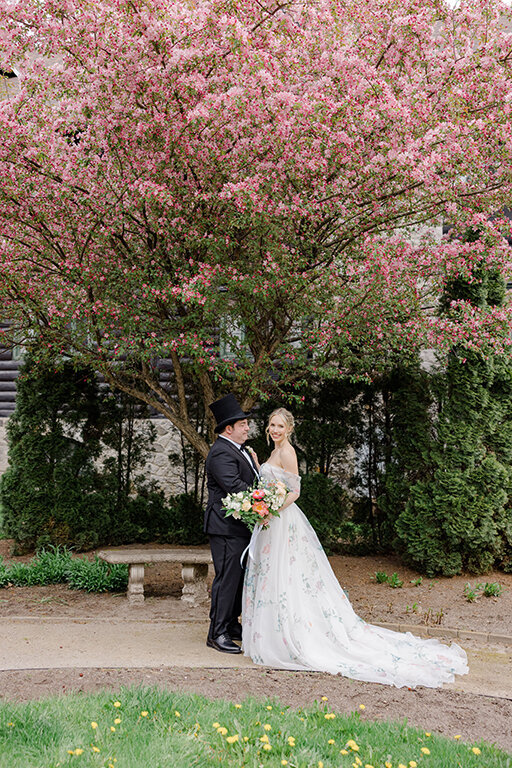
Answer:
x=238 y=431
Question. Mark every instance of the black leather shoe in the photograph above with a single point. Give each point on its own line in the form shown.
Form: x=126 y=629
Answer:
x=235 y=632
x=223 y=643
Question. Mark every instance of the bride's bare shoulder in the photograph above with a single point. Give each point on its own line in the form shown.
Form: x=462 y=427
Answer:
x=288 y=459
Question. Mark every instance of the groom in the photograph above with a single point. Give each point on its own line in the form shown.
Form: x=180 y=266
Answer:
x=229 y=469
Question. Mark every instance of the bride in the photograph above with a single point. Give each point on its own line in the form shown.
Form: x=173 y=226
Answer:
x=295 y=615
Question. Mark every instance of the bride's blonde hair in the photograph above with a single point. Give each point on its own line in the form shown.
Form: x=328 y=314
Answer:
x=288 y=419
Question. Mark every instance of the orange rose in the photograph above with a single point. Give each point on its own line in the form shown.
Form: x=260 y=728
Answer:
x=260 y=508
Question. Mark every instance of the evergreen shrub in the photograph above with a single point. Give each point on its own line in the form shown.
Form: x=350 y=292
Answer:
x=184 y=522
x=457 y=515
x=328 y=508
x=50 y=492
x=73 y=457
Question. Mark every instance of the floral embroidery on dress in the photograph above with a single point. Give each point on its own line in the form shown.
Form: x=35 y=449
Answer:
x=297 y=616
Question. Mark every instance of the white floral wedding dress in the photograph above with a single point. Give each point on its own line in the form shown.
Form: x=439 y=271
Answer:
x=295 y=615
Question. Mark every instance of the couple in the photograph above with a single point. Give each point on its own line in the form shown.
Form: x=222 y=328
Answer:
x=294 y=613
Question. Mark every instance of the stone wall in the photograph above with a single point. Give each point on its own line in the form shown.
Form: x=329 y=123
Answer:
x=158 y=467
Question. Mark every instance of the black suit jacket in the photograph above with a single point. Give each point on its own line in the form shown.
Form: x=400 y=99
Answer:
x=227 y=471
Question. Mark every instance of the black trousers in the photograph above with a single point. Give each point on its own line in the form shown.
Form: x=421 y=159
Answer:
x=228 y=583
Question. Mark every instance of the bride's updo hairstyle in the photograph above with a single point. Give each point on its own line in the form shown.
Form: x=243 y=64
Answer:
x=288 y=419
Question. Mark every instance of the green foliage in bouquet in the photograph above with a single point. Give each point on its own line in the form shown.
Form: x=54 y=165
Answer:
x=457 y=515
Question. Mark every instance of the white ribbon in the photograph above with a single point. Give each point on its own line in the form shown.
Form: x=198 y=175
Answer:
x=251 y=545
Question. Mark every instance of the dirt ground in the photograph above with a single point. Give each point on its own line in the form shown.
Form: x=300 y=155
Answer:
x=435 y=602
x=439 y=602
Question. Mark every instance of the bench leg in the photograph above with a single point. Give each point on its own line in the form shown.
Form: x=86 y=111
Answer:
x=136 y=584
x=195 y=591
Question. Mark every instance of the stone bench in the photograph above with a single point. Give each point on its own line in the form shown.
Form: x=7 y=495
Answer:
x=194 y=570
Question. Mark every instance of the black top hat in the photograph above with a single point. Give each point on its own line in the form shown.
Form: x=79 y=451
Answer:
x=226 y=411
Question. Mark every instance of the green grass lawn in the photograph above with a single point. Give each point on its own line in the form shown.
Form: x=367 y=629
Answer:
x=151 y=728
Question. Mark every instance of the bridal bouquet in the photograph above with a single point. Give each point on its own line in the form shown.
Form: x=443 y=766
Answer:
x=257 y=505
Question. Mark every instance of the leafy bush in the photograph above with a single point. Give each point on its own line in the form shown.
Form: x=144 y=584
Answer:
x=327 y=507
x=21 y=575
x=56 y=566
x=184 y=523
x=50 y=566
x=73 y=453
x=457 y=515
x=97 y=576
x=47 y=490
x=4 y=580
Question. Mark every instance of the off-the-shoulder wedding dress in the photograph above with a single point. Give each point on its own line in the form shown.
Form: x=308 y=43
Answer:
x=295 y=614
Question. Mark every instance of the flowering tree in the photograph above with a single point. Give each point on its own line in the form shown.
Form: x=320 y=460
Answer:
x=172 y=171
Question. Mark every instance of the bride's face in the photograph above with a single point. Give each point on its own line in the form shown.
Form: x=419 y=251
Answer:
x=277 y=429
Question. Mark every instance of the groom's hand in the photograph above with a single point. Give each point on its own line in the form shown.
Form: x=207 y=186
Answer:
x=254 y=455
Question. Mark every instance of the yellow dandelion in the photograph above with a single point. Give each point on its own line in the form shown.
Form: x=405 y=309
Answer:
x=301 y=719
x=387 y=764
x=330 y=716
x=71 y=751
x=222 y=730
x=352 y=745
x=112 y=729
x=264 y=738
x=238 y=706
x=79 y=751
x=291 y=741
x=401 y=765
x=144 y=713
x=117 y=721
x=232 y=739
x=267 y=727
x=343 y=751
x=427 y=733
x=95 y=749
x=94 y=725
x=358 y=760
x=284 y=762
x=269 y=707
x=267 y=747
x=413 y=764
x=246 y=738
x=324 y=698
x=458 y=736
x=320 y=764
x=117 y=703
x=476 y=750
x=367 y=765
x=425 y=750
x=176 y=713
x=215 y=725
x=355 y=765
x=331 y=741
x=362 y=706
